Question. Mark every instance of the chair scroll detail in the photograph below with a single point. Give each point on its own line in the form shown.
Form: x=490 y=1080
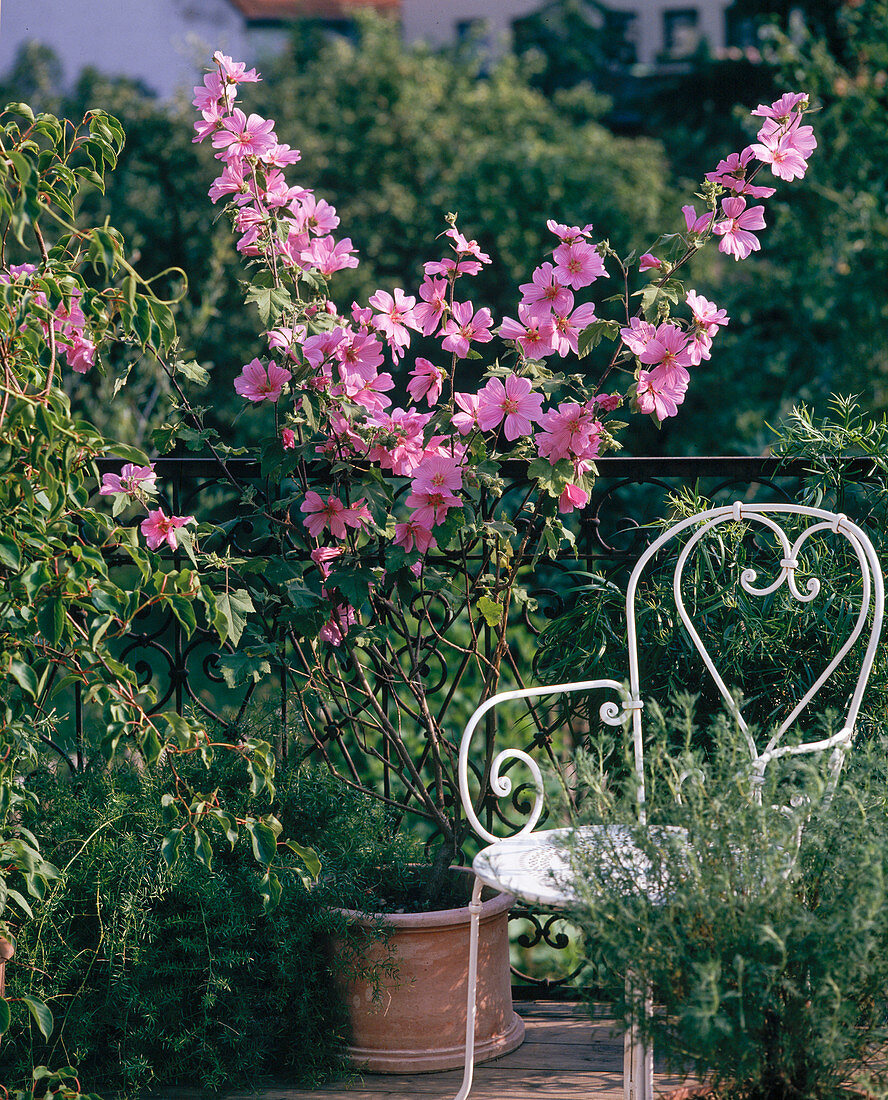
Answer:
x=610 y=712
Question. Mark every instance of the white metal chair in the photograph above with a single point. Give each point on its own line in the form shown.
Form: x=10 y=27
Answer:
x=534 y=866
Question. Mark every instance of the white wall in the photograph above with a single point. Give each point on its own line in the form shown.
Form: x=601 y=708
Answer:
x=436 y=21
x=164 y=43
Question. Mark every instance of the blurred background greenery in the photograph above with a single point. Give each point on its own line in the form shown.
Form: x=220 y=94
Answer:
x=396 y=136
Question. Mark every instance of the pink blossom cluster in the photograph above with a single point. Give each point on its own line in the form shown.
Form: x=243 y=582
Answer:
x=666 y=351
x=68 y=321
x=135 y=483
x=274 y=220
x=336 y=361
x=784 y=144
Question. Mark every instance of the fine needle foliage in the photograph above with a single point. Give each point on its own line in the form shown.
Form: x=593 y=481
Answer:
x=762 y=929
x=159 y=975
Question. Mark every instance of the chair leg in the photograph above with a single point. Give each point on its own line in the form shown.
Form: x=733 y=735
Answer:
x=638 y=1057
x=474 y=928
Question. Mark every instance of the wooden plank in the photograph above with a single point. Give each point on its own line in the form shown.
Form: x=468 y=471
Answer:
x=567 y=1055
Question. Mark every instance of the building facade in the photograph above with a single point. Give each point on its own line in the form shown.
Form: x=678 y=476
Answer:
x=165 y=43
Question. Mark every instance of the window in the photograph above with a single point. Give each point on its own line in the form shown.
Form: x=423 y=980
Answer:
x=681 y=33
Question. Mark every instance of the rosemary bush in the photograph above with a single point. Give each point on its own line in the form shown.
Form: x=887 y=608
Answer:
x=764 y=934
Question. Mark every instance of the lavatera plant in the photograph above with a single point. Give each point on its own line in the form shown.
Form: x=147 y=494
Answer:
x=393 y=548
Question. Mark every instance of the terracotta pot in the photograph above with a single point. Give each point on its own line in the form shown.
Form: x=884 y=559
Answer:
x=417 y=1021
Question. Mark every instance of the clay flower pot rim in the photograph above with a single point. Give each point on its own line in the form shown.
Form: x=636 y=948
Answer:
x=435 y=918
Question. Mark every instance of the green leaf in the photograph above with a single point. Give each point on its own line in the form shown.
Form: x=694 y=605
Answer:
x=193 y=371
x=10 y=555
x=5 y=1015
x=20 y=109
x=592 y=335
x=203 y=849
x=24 y=676
x=270 y=889
x=231 y=613
x=270 y=302
x=491 y=610
x=243 y=668
x=308 y=856
x=42 y=1015
x=51 y=620
x=263 y=840
x=163 y=317
x=353 y=584
x=169 y=848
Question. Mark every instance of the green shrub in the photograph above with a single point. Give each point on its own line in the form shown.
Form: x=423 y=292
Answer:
x=764 y=929
x=162 y=975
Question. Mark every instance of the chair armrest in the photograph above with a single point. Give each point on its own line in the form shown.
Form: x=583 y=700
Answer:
x=614 y=714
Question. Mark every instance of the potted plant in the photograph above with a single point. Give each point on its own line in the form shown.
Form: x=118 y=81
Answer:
x=391 y=550
x=765 y=938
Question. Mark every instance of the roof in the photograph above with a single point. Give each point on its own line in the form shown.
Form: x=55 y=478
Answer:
x=305 y=9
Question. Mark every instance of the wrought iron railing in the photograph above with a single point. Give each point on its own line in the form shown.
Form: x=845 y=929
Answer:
x=630 y=493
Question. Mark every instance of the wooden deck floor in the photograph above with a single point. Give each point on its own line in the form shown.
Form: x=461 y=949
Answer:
x=565 y=1056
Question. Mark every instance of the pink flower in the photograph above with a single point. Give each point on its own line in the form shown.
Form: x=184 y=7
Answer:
x=283 y=339
x=567 y=234
x=466 y=327
x=438 y=473
x=427 y=381
x=638 y=335
x=259 y=383
x=234 y=72
x=667 y=348
x=782 y=109
x=545 y=292
x=412 y=534
x=431 y=506
x=240 y=136
x=359 y=350
x=288 y=439
x=395 y=317
x=449 y=266
x=80 y=353
x=159 y=528
x=365 y=387
x=279 y=156
x=335 y=629
x=328 y=255
x=467 y=420
x=737 y=238
x=401 y=444
x=434 y=301
x=511 y=402
x=322 y=556
x=707 y=320
x=314 y=214
x=572 y=497
x=533 y=333
x=661 y=391
x=131 y=481
x=731 y=173
x=568 y=327
x=785 y=150
x=649 y=262
x=464 y=247
x=578 y=264
x=571 y=431
x=607 y=401
x=697 y=224
x=331 y=513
